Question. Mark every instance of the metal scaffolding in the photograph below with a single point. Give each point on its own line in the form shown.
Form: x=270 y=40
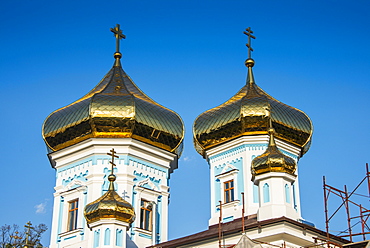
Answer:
x=348 y=204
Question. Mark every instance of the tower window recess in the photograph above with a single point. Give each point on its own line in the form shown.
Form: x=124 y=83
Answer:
x=146 y=215
x=229 y=191
x=72 y=215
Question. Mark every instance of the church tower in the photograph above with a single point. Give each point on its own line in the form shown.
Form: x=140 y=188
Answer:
x=146 y=137
x=252 y=143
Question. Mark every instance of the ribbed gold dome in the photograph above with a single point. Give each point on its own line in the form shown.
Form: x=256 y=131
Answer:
x=272 y=160
x=115 y=108
x=248 y=113
x=109 y=206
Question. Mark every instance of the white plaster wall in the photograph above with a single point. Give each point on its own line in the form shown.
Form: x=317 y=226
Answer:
x=81 y=155
x=223 y=154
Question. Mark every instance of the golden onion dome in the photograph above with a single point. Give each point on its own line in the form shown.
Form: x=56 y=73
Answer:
x=109 y=206
x=249 y=113
x=115 y=108
x=272 y=160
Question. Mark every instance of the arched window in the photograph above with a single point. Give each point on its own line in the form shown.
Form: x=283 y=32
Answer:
x=255 y=194
x=266 y=193
x=119 y=237
x=287 y=193
x=294 y=199
x=96 y=238
x=107 y=237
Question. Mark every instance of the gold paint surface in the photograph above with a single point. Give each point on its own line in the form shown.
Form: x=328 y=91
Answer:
x=272 y=160
x=109 y=206
x=115 y=108
x=248 y=113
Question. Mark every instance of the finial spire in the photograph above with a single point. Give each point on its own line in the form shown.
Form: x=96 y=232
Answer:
x=112 y=177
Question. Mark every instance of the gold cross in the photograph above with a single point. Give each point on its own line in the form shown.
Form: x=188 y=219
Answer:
x=249 y=33
x=112 y=154
x=29 y=227
x=118 y=34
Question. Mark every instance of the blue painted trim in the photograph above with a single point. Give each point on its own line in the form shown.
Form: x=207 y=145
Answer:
x=96 y=238
x=60 y=217
x=238 y=181
x=71 y=237
x=140 y=176
x=81 y=176
x=107 y=236
x=105 y=185
x=159 y=214
x=83 y=219
x=243 y=148
x=146 y=163
x=132 y=233
x=145 y=236
x=256 y=197
x=294 y=198
x=119 y=237
x=228 y=219
x=266 y=193
x=89 y=161
x=287 y=193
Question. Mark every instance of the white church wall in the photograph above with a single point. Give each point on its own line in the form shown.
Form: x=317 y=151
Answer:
x=232 y=161
x=142 y=172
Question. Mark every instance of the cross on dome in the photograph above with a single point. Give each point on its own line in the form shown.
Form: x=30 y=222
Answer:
x=249 y=33
x=28 y=226
x=112 y=154
x=118 y=34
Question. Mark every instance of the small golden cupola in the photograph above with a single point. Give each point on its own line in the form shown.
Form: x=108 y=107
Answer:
x=273 y=160
x=115 y=108
x=110 y=205
x=248 y=113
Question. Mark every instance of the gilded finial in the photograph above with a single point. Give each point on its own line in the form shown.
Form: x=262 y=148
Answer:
x=28 y=226
x=249 y=62
x=112 y=177
x=119 y=35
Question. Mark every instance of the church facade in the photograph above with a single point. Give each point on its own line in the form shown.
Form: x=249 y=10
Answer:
x=114 y=150
x=147 y=140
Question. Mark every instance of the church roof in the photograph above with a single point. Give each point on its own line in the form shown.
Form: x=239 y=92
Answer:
x=115 y=108
x=249 y=112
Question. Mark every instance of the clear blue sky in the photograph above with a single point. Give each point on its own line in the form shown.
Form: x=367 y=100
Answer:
x=188 y=56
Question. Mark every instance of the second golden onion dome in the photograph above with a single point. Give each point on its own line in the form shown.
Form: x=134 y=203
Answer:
x=115 y=108
x=249 y=113
x=273 y=160
x=110 y=205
